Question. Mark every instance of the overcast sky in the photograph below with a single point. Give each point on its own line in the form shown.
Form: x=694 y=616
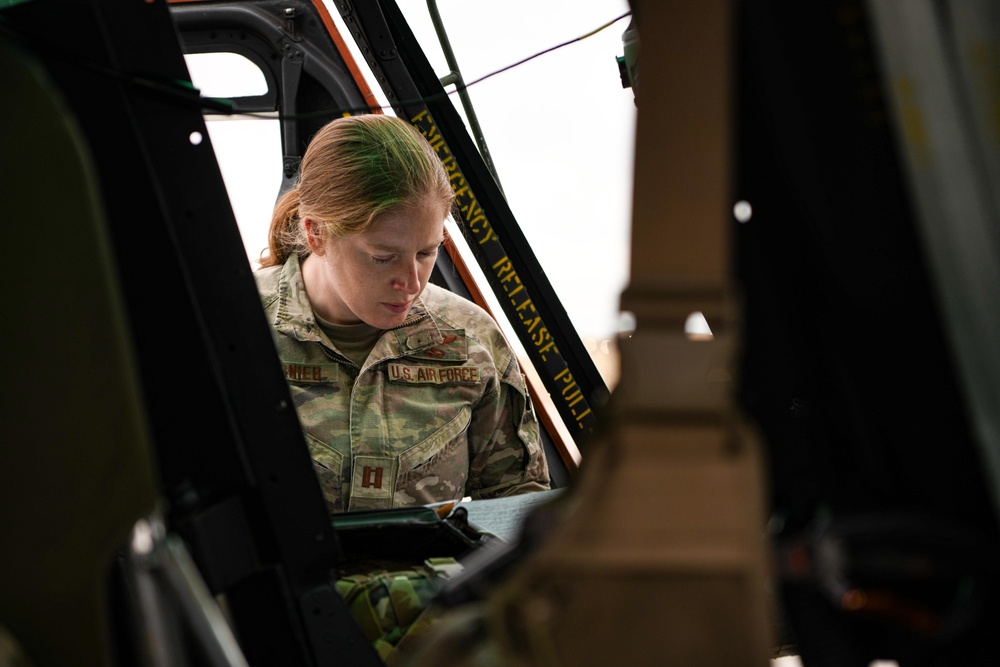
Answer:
x=560 y=130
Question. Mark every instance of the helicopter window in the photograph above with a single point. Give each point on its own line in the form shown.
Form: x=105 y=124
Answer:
x=247 y=147
x=249 y=154
x=225 y=74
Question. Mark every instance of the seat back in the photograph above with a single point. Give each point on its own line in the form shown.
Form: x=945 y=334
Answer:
x=75 y=470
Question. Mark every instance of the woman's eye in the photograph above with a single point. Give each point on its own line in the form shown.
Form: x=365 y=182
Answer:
x=429 y=253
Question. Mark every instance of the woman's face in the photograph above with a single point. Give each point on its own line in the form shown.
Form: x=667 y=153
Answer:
x=375 y=276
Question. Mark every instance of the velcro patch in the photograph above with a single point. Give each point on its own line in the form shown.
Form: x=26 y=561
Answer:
x=311 y=373
x=373 y=482
x=433 y=374
x=452 y=347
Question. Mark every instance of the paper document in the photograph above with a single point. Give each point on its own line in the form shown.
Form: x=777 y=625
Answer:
x=503 y=516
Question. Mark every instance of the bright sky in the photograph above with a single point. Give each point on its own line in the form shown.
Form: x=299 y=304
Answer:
x=560 y=130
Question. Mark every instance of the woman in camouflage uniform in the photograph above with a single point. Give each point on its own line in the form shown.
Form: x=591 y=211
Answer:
x=408 y=394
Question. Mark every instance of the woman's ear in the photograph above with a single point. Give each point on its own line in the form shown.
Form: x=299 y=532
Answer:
x=314 y=236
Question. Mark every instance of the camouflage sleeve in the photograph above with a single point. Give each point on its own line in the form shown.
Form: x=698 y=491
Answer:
x=507 y=455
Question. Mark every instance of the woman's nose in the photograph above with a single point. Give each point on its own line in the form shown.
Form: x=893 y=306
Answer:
x=408 y=278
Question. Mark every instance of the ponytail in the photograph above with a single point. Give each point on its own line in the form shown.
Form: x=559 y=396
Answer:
x=285 y=236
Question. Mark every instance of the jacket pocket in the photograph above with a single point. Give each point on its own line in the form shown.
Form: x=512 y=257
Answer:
x=328 y=464
x=436 y=468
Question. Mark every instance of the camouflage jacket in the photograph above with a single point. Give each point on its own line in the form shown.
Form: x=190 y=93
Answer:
x=437 y=412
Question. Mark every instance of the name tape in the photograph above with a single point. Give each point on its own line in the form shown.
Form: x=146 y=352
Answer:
x=434 y=374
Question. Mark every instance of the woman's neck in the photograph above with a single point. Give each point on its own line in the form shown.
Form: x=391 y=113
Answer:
x=318 y=290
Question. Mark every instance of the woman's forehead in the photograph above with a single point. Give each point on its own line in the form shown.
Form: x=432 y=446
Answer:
x=420 y=225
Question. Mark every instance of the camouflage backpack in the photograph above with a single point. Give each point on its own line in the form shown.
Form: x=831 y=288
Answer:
x=396 y=562
x=392 y=601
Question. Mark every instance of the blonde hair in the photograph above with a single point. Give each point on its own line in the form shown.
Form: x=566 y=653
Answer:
x=355 y=168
